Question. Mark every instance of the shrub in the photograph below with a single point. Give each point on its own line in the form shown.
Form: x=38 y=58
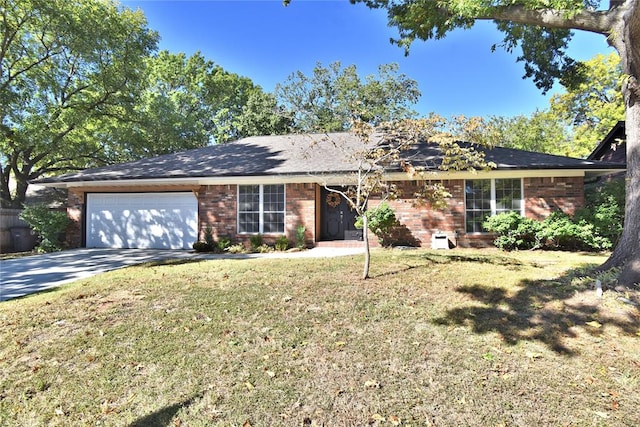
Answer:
x=48 y=224
x=237 y=248
x=256 y=241
x=202 y=247
x=381 y=221
x=263 y=248
x=224 y=243
x=282 y=243
x=301 y=242
x=514 y=231
x=560 y=231
x=604 y=208
x=208 y=237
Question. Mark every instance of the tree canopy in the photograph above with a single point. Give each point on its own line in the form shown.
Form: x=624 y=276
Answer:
x=576 y=119
x=592 y=107
x=64 y=66
x=190 y=102
x=334 y=96
x=82 y=85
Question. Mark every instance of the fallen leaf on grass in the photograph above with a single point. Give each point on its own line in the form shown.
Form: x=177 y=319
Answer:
x=533 y=356
x=371 y=384
x=377 y=417
x=594 y=324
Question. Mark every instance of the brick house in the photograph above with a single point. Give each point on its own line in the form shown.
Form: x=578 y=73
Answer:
x=273 y=184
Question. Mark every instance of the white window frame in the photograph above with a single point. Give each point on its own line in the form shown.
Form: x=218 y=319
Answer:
x=261 y=210
x=492 y=202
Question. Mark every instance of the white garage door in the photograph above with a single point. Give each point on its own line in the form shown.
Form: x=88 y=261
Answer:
x=142 y=220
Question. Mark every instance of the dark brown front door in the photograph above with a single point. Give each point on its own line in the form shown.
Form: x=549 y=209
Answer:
x=338 y=219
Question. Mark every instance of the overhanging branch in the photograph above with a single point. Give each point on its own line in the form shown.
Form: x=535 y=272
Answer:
x=600 y=22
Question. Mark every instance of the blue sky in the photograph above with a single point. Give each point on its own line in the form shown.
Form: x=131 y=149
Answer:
x=267 y=42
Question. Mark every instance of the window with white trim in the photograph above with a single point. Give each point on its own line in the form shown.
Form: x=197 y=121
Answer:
x=487 y=197
x=261 y=208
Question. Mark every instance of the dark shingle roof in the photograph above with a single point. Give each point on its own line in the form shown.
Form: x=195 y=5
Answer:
x=296 y=155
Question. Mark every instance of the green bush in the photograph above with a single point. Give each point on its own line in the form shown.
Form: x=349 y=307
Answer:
x=381 y=221
x=224 y=243
x=514 y=231
x=301 y=240
x=604 y=208
x=282 y=243
x=48 y=224
x=558 y=231
x=256 y=241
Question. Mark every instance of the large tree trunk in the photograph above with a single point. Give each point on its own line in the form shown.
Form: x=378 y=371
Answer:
x=625 y=38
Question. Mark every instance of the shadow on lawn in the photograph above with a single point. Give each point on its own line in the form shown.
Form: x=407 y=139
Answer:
x=163 y=417
x=543 y=310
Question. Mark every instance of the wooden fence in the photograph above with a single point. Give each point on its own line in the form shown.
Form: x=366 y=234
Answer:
x=10 y=222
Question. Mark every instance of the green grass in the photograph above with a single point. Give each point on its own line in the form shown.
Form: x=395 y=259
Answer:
x=446 y=338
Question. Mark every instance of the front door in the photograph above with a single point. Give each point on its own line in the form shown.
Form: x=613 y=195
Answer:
x=338 y=219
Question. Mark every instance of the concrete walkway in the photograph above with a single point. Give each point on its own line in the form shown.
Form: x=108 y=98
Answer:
x=26 y=275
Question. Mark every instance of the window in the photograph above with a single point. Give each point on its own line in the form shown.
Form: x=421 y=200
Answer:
x=486 y=197
x=477 y=203
x=261 y=209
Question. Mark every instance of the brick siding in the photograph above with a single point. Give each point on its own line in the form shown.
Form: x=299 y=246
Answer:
x=217 y=208
x=545 y=195
x=75 y=212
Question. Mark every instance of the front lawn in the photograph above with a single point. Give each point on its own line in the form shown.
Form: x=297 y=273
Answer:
x=449 y=338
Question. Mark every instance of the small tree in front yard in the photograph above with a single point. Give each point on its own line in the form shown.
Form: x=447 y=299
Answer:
x=393 y=146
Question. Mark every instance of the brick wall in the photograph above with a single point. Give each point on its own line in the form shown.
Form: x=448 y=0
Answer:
x=301 y=210
x=545 y=195
x=75 y=211
x=418 y=223
x=217 y=208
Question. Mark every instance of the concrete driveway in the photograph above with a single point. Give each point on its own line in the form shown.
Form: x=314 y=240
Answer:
x=26 y=275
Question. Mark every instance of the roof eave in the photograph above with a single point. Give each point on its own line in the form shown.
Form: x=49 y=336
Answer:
x=325 y=178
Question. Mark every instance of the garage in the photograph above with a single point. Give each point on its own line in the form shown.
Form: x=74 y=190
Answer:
x=141 y=220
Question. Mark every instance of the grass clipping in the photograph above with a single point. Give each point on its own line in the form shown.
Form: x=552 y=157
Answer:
x=434 y=338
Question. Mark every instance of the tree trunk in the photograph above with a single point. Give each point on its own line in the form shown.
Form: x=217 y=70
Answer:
x=5 y=193
x=626 y=255
x=626 y=39
x=367 y=250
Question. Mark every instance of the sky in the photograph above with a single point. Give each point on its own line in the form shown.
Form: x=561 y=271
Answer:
x=267 y=42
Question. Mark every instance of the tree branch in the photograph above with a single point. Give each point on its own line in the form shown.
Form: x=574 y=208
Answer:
x=600 y=22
